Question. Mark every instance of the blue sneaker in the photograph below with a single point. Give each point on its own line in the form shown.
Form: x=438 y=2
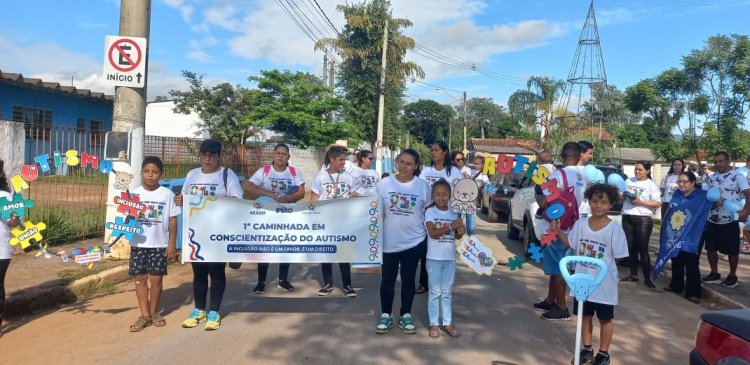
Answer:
x=213 y=321
x=406 y=324
x=386 y=322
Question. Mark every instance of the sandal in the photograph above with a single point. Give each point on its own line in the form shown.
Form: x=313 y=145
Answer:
x=157 y=320
x=630 y=278
x=450 y=330
x=140 y=324
x=434 y=331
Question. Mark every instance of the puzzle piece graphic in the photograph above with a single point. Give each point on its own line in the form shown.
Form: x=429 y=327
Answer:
x=124 y=228
x=549 y=237
x=130 y=205
x=87 y=257
x=18 y=205
x=29 y=232
x=536 y=252
x=516 y=262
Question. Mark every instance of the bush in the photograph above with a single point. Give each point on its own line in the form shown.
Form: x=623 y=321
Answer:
x=64 y=226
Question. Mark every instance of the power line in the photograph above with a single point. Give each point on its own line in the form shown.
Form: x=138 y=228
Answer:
x=326 y=16
x=302 y=25
x=437 y=87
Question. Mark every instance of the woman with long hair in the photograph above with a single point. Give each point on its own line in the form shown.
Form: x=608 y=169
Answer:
x=284 y=184
x=669 y=183
x=643 y=197
x=403 y=199
x=6 y=250
x=365 y=178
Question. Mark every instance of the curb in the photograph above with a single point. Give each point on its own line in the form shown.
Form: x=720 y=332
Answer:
x=723 y=300
x=42 y=297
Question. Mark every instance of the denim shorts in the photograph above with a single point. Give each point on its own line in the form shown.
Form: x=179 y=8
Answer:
x=552 y=256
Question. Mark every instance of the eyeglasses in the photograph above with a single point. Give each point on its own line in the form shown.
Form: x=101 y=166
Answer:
x=460 y=159
x=683 y=181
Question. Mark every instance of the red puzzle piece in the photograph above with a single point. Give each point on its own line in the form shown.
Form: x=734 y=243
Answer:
x=549 y=237
x=130 y=205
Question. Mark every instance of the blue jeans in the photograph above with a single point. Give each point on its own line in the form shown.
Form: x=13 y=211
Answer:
x=470 y=225
x=440 y=274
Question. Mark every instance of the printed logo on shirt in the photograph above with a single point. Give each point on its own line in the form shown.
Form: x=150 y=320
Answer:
x=591 y=248
x=206 y=190
x=151 y=214
x=402 y=204
x=336 y=190
x=368 y=181
x=280 y=185
x=448 y=237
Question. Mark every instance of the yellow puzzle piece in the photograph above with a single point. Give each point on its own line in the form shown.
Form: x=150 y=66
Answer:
x=29 y=232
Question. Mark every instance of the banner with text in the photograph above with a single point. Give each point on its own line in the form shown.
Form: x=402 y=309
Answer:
x=234 y=230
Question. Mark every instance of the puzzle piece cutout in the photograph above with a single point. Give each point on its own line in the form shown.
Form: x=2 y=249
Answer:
x=42 y=252
x=126 y=228
x=130 y=205
x=87 y=257
x=29 y=232
x=549 y=237
x=516 y=262
x=18 y=205
x=536 y=253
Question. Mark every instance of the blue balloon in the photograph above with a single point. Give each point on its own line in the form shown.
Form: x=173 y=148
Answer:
x=599 y=176
x=617 y=181
x=713 y=194
x=589 y=173
x=731 y=207
x=265 y=199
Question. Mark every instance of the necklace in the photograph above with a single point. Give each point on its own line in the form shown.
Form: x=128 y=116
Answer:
x=331 y=177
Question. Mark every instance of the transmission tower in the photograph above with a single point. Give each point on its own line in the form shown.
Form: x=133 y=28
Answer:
x=586 y=73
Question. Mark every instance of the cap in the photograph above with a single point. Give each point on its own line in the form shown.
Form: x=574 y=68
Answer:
x=210 y=145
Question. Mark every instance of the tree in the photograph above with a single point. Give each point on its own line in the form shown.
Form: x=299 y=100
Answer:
x=298 y=105
x=360 y=44
x=221 y=108
x=161 y=98
x=427 y=120
x=483 y=115
x=535 y=105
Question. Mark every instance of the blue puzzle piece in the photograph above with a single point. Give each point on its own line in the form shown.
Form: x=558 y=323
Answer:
x=516 y=262
x=536 y=252
x=125 y=228
x=18 y=205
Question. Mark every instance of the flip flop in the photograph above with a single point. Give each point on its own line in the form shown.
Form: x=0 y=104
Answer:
x=632 y=278
x=434 y=331
x=450 y=330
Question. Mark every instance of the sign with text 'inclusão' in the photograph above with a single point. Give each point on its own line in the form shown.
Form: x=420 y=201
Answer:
x=125 y=61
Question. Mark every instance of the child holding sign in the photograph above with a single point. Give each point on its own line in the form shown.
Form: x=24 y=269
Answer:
x=441 y=222
x=149 y=254
x=599 y=237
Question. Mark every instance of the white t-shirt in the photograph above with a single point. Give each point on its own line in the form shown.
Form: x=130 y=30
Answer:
x=731 y=184
x=481 y=177
x=332 y=186
x=277 y=182
x=348 y=167
x=466 y=172
x=154 y=219
x=403 y=206
x=645 y=190
x=575 y=179
x=198 y=183
x=6 y=250
x=443 y=248
x=431 y=175
x=669 y=184
x=365 y=181
x=606 y=244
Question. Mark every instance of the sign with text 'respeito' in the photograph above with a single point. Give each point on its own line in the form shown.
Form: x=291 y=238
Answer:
x=235 y=230
x=125 y=61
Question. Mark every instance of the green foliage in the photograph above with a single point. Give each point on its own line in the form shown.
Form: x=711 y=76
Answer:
x=64 y=226
x=632 y=136
x=535 y=105
x=298 y=105
x=360 y=44
x=427 y=120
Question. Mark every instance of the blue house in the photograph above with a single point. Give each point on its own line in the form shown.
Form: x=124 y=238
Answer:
x=55 y=117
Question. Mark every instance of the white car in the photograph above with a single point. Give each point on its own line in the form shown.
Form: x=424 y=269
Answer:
x=523 y=206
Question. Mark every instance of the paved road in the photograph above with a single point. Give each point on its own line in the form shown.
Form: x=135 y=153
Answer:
x=494 y=314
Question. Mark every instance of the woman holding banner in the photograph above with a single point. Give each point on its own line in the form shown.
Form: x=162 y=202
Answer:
x=283 y=184
x=334 y=183
x=211 y=179
x=683 y=223
x=403 y=199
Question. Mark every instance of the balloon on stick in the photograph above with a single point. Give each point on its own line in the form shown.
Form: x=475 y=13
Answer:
x=617 y=181
x=713 y=194
x=599 y=176
x=589 y=173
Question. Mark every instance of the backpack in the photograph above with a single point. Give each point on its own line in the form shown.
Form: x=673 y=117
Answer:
x=568 y=200
x=267 y=170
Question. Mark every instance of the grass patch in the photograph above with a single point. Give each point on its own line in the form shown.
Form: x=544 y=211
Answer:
x=78 y=176
x=72 y=275
x=93 y=289
x=64 y=226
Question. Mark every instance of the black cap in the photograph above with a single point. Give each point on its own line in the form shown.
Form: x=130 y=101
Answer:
x=210 y=145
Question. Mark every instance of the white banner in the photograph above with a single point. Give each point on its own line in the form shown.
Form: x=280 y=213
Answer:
x=235 y=230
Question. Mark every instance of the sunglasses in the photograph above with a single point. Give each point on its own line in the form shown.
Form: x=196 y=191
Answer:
x=459 y=159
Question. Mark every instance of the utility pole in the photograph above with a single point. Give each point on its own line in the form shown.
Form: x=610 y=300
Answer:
x=330 y=75
x=464 y=151
x=325 y=68
x=450 y=134
x=381 y=105
x=129 y=111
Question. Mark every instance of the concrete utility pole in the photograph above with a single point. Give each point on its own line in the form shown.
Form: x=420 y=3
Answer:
x=381 y=104
x=331 y=73
x=464 y=151
x=129 y=112
x=325 y=68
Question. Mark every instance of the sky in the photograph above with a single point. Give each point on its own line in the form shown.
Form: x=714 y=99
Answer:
x=230 y=40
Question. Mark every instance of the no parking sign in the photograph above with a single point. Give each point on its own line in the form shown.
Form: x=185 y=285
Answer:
x=125 y=61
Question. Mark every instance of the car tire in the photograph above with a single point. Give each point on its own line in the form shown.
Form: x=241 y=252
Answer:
x=513 y=232
x=528 y=237
x=492 y=215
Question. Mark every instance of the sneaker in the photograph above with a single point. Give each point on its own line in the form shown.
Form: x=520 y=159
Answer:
x=385 y=324
x=601 y=359
x=730 y=281
x=586 y=355
x=260 y=288
x=406 y=325
x=285 y=285
x=649 y=284
x=556 y=314
x=213 y=321
x=194 y=319
x=712 y=278
x=543 y=306
x=349 y=291
x=325 y=290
